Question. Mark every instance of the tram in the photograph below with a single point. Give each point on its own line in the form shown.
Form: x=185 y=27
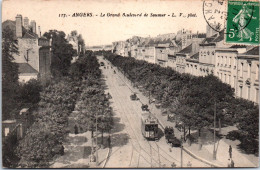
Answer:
x=149 y=126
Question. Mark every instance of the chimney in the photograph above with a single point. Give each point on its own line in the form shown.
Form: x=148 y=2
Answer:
x=50 y=42
x=39 y=31
x=18 y=26
x=26 y=23
x=33 y=25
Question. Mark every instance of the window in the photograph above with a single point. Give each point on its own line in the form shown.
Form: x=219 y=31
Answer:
x=241 y=89
x=249 y=70
x=256 y=97
x=248 y=93
x=257 y=72
x=241 y=70
x=7 y=130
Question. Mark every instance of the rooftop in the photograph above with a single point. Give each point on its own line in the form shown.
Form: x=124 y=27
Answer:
x=253 y=51
x=25 y=33
x=26 y=68
x=187 y=49
x=195 y=56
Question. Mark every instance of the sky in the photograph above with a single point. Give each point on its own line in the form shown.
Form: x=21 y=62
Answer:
x=98 y=30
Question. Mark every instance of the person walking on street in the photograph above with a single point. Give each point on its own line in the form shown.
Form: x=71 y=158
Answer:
x=109 y=141
x=230 y=151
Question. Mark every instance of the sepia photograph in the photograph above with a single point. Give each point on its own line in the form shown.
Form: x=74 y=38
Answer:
x=130 y=84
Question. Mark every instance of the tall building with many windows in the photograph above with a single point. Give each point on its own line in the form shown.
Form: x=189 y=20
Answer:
x=248 y=75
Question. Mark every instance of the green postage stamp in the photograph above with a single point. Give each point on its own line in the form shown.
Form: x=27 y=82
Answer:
x=242 y=25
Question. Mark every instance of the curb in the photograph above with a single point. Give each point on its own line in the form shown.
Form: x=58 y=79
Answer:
x=200 y=159
x=108 y=153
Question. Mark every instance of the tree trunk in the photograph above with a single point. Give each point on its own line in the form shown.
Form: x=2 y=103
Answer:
x=102 y=136
x=92 y=133
x=184 y=133
x=199 y=132
x=219 y=125
x=189 y=130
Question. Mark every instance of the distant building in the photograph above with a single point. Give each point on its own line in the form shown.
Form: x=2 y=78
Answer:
x=248 y=75
x=193 y=65
x=73 y=40
x=34 y=50
x=119 y=48
x=200 y=54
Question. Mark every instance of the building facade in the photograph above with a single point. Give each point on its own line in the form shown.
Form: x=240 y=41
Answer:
x=248 y=75
x=33 y=49
x=205 y=54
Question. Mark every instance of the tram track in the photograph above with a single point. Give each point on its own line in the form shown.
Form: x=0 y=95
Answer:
x=164 y=155
x=160 y=125
x=150 y=145
x=154 y=148
x=132 y=140
x=127 y=122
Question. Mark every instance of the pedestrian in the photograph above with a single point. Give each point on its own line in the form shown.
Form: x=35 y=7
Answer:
x=230 y=151
x=232 y=164
x=109 y=141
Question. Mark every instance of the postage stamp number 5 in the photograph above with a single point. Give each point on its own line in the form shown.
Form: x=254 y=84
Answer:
x=242 y=25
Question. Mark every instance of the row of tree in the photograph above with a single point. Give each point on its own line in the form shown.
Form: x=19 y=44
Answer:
x=51 y=105
x=192 y=99
x=16 y=95
x=93 y=107
x=44 y=140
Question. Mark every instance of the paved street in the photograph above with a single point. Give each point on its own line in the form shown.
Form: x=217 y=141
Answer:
x=129 y=147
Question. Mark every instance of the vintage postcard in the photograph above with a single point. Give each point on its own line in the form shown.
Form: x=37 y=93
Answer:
x=130 y=84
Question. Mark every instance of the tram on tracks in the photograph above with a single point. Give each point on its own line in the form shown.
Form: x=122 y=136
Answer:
x=149 y=126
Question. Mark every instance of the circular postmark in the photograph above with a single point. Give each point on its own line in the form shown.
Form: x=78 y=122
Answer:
x=215 y=14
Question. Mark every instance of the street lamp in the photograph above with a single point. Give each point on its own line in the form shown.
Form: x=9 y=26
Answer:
x=96 y=142
x=214 y=149
x=181 y=151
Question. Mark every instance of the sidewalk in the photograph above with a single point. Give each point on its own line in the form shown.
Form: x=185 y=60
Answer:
x=206 y=152
x=77 y=150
